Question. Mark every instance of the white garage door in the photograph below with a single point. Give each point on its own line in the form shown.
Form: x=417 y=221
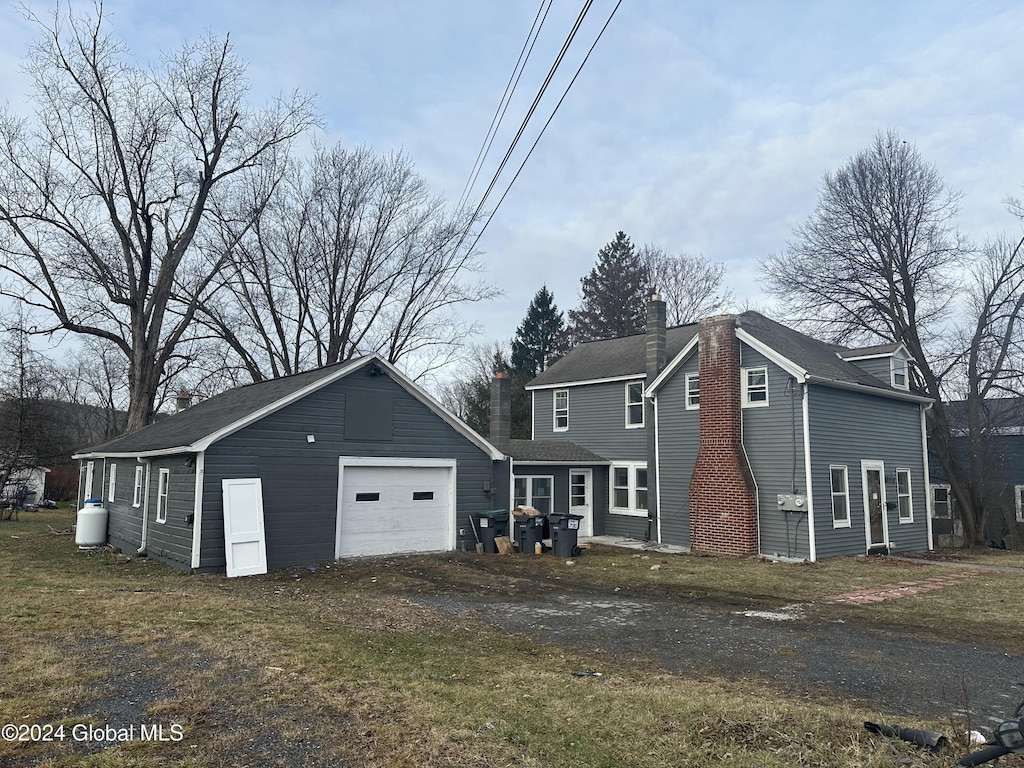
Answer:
x=389 y=509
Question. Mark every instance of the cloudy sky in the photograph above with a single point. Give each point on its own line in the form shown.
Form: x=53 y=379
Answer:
x=701 y=126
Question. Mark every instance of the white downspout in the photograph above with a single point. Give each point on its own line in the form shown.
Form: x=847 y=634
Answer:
x=145 y=510
x=812 y=546
x=197 y=510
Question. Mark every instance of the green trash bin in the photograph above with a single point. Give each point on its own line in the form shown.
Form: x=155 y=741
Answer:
x=492 y=524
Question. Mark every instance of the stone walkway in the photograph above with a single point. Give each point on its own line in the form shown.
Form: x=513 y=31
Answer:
x=903 y=589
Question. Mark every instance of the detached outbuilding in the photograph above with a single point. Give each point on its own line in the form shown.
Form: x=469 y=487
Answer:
x=352 y=459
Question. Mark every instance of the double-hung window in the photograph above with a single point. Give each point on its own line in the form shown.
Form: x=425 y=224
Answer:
x=137 y=491
x=942 y=502
x=112 y=482
x=898 y=371
x=903 y=496
x=840 y=497
x=561 y=413
x=692 y=391
x=755 y=387
x=161 y=495
x=634 y=404
x=1018 y=495
x=629 y=488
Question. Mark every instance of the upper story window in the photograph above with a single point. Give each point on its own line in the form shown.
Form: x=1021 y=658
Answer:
x=692 y=391
x=898 y=373
x=561 y=418
x=634 y=404
x=755 y=387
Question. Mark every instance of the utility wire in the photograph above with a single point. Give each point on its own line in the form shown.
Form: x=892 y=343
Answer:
x=546 y=124
x=506 y=98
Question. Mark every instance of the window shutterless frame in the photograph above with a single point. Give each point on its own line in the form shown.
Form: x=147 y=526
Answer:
x=560 y=415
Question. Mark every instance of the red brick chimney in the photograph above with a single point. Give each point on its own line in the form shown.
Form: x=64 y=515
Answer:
x=723 y=497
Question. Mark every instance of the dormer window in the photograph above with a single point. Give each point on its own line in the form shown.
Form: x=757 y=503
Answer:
x=898 y=372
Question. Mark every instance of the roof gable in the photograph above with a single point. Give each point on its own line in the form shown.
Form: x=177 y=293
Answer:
x=196 y=428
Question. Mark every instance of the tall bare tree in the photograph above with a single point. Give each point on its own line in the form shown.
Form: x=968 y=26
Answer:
x=691 y=286
x=880 y=259
x=105 y=193
x=352 y=254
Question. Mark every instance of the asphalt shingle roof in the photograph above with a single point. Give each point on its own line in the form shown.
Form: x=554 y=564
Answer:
x=557 y=451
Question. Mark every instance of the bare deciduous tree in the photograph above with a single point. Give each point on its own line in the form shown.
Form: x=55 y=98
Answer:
x=104 y=193
x=350 y=255
x=880 y=259
x=691 y=286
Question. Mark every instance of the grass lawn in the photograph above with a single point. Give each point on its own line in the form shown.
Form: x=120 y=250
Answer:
x=339 y=666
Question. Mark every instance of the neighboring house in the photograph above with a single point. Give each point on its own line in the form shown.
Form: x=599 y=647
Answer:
x=735 y=435
x=24 y=487
x=1001 y=453
x=351 y=459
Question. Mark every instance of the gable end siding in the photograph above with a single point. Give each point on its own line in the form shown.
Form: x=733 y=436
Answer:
x=597 y=421
x=679 y=439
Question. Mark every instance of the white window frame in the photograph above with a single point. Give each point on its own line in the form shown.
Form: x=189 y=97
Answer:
x=1018 y=495
x=632 y=406
x=949 y=501
x=898 y=366
x=563 y=411
x=529 y=498
x=632 y=488
x=90 y=468
x=161 y=494
x=112 y=482
x=844 y=494
x=748 y=389
x=906 y=514
x=137 y=490
x=692 y=391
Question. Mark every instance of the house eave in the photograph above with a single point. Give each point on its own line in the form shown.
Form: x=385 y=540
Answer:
x=566 y=384
x=853 y=386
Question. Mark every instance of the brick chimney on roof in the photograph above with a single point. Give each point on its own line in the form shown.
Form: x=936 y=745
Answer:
x=723 y=497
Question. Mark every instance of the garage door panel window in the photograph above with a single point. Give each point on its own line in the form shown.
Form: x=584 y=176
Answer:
x=367 y=497
x=534 y=491
x=422 y=495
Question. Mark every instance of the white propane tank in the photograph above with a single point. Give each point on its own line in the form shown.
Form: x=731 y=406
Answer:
x=91 y=526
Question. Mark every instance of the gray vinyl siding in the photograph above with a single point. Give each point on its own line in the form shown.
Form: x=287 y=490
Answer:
x=880 y=367
x=849 y=427
x=170 y=542
x=124 y=521
x=300 y=479
x=597 y=420
x=773 y=440
x=679 y=439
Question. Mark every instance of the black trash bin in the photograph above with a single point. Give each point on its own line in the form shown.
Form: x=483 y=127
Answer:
x=493 y=523
x=565 y=530
x=529 y=532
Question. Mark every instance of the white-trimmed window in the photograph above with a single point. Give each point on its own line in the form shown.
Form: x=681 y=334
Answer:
x=137 y=491
x=840 y=496
x=112 y=482
x=755 y=387
x=1018 y=495
x=903 y=496
x=561 y=414
x=161 y=495
x=942 y=502
x=898 y=373
x=629 y=488
x=634 y=404
x=692 y=391
x=534 y=491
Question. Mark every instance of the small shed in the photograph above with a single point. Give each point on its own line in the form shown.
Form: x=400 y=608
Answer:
x=348 y=460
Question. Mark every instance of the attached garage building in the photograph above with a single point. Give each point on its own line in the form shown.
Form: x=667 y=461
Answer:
x=348 y=460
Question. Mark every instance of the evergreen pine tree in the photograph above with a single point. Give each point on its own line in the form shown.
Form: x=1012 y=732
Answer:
x=540 y=338
x=614 y=294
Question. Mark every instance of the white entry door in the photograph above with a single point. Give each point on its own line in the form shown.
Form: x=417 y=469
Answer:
x=395 y=506
x=245 y=539
x=581 y=498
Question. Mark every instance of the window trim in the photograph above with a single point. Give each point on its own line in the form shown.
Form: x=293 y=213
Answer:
x=635 y=386
x=893 y=372
x=631 y=487
x=1018 y=495
x=691 y=402
x=845 y=494
x=112 y=482
x=909 y=496
x=745 y=386
x=137 y=489
x=529 y=490
x=162 y=494
x=949 y=501
x=564 y=411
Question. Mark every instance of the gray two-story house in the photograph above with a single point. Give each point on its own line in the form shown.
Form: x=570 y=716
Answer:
x=734 y=435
